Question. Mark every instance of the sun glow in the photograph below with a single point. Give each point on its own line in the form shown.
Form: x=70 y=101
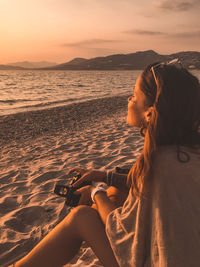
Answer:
x=61 y=30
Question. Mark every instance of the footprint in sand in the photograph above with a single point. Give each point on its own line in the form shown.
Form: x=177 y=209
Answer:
x=8 y=204
x=23 y=220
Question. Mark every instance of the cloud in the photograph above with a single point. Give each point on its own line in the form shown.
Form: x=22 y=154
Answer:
x=90 y=42
x=192 y=34
x=144 y=32
x=179 y=34
x=175 y=5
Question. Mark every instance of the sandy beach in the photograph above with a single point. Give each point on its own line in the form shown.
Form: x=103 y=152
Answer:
x=37 y=150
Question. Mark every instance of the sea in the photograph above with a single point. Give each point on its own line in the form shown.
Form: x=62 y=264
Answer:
x=27 y=90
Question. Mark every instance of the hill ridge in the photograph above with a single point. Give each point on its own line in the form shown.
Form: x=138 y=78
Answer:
x=131 y=61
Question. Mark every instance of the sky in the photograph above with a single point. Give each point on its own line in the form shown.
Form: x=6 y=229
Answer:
x=60 y=30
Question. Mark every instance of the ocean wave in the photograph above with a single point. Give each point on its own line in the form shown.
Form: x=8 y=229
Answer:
x=83 y=103
x=10 y=84
x=39 y=90
x=14 y=101
x=79 y=85
x=48 y=104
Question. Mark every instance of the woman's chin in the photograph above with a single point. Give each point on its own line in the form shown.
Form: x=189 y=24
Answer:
x=130 y=123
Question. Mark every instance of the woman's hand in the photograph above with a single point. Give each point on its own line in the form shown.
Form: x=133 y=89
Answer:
x=88 y=175
x=85 y=195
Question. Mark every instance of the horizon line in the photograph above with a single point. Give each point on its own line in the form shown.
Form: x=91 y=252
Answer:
x=61 y=62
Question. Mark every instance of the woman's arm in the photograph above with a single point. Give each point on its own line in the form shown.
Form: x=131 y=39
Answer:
x=118 y=180
x=111 y=178
x=102 y=203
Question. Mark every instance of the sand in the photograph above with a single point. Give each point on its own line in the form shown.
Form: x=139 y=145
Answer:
x=37 y=150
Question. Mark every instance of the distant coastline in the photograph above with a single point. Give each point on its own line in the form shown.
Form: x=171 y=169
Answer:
x=133 y=61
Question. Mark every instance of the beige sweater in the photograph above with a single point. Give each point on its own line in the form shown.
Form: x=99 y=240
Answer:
x=164 y=230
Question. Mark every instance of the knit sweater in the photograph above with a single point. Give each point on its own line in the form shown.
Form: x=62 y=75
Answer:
x=162 y=230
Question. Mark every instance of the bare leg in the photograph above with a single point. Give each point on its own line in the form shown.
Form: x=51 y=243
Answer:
x=63 y=242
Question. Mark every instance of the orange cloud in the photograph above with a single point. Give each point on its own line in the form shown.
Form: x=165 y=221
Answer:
x=176 y=5
x=90 y=42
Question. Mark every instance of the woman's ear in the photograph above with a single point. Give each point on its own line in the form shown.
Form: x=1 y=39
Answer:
x=148 y=114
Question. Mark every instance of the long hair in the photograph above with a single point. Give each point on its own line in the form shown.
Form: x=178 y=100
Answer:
x=175 y=119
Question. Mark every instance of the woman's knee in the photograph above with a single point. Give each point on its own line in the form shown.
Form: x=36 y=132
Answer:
x=83 y=219
x=82 y=211
x=81 y=214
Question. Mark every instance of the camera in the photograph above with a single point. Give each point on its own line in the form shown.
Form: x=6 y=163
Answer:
x=67 y=191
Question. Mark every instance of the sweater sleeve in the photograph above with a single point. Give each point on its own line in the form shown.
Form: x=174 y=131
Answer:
x=118 y=180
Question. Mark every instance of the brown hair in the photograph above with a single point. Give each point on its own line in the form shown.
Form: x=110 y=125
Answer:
x=175 y=118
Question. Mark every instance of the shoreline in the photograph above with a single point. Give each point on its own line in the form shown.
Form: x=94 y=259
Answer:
x=70 y=118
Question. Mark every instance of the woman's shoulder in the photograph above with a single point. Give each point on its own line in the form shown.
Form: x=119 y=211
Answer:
x=170 y=152
x=168 y=163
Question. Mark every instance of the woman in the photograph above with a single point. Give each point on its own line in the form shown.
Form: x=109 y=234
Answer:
x=150 y=228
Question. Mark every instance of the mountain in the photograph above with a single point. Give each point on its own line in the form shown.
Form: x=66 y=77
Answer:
x=33 y=65
x=8 y=67
x=133 y=61
x=190 y=59
x=76 y=61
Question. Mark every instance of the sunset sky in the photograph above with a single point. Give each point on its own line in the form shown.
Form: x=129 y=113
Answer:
x=60 y=30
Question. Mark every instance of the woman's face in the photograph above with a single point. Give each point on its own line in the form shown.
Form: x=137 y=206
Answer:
x=137 y=106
